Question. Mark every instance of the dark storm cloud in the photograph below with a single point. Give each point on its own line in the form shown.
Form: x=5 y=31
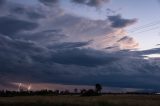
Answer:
x=82 y=57
x=34 y=15
x=118 y=22
x=150 y=51
x=79 y=1
x=2 y=2
x=20 y=11
x=30 y=13
x=65 y=45
x=123 y=81
x=97 y=2
x=11 y=26
x=92 y=3
x=128 y=71
x=111 y=47
x=49 y=2
x=19 y=55
x=26 y=61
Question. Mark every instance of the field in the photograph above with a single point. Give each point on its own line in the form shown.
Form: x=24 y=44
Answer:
x=106 y=100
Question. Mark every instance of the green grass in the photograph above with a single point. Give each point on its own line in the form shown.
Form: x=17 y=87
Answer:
x=106 y=100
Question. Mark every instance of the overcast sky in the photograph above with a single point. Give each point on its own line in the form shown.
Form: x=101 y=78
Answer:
x=80 y=42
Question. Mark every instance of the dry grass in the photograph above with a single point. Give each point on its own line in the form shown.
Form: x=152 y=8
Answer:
x=106 y=100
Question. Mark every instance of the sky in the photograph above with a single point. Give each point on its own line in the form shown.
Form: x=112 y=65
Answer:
x=80 y=43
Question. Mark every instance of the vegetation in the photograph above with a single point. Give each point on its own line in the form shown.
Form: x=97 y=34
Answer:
x=98 y=88
x=90 y=97
x=75 y=100
x=83 y=92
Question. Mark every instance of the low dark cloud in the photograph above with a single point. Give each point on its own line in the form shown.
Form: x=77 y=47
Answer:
x=68 y=45
x=150 y=51
x=97 y=2
x=83 y=57
x=111 y=47
x=11 y=26
x=2 y=2
x=118 y=22
x=92 y=3
x=30 y=13
x=49 y=2
x=27 y=61
x=79 y=1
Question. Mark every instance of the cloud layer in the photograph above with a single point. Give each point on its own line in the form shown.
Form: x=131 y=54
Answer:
x=92 y=3
x=118 y=22
x=10 y=26
x=49 y=45
x=49 y=2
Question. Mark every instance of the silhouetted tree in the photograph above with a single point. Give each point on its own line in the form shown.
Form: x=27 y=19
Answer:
x=66 y=92
x=56 y=92
x=89 y=92
x=98 y=88
x=83 y=91
x=75 y=90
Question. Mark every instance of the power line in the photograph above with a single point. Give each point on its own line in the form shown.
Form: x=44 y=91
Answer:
x=148 y=30
x=145 y=26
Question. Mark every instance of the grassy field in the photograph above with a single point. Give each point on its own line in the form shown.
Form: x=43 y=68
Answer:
x=106 y=100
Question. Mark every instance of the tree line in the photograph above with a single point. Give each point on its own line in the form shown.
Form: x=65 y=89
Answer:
x=46 y=92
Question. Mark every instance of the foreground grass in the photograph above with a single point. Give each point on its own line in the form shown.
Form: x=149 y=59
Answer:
x=106 y=100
